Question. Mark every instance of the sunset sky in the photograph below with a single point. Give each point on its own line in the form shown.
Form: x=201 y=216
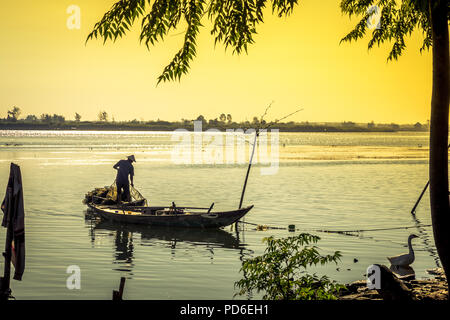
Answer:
x=296 y=62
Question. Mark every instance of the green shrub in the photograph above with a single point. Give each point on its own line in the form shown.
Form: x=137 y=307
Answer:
x=281 y=271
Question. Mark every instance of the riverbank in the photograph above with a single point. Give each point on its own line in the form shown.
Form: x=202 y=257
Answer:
x=420 y=290
x=188 y=125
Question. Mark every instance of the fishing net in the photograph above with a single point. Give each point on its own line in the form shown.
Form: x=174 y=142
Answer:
x=136 y=195
x=108 y=195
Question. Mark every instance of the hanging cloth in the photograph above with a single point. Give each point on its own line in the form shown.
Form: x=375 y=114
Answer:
x=14 y=214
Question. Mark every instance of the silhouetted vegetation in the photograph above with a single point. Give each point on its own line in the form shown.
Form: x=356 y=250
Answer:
x=281 y=273
x=222 y=122
x=13 y=114
x=103 y=116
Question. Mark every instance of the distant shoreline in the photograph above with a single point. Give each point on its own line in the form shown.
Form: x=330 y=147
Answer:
x=171 y=126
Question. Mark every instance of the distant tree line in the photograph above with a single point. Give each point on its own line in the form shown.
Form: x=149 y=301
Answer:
x=222 y=122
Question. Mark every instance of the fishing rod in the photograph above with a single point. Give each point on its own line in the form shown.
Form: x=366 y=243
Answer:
x=413 y=211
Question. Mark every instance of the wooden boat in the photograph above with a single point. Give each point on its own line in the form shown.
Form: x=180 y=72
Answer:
x=103 y=202
x=173 y=216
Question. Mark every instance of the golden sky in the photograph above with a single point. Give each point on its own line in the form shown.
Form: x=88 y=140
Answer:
x=296 y=62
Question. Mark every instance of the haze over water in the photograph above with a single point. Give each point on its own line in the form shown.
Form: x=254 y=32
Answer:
x=325 y=181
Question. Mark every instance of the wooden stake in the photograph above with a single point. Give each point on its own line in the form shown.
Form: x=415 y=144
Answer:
x=117 y=295
x=421 y=195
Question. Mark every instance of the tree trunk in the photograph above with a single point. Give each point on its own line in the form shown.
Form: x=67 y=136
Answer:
x=439 y=195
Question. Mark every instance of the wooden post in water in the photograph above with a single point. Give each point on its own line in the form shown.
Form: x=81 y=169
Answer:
x=420 y=198
x=413 y=211
x=117 y=295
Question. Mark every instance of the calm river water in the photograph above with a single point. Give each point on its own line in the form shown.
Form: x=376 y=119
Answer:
x=323 y=181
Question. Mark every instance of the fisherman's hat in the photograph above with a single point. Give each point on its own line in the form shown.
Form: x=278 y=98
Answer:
x=131 y=158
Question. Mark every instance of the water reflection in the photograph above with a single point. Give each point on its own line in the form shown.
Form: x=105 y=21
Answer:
x=174 y=239
x=124 y=250
x=424 y=235
x=403 y=271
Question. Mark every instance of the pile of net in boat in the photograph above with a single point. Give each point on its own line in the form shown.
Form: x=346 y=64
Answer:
x=108 y=196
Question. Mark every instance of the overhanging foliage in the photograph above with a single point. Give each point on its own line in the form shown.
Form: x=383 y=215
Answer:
x=234 y=24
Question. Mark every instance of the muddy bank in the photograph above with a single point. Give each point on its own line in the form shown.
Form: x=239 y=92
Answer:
x=416 y=289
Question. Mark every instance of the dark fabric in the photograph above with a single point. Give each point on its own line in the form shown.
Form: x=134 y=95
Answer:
x=125 y=187
x=124 y=168
x=14 y=213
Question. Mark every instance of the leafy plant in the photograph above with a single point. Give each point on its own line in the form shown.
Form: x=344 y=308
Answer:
x=397 y=21
x=281 y=271
x=233 y=24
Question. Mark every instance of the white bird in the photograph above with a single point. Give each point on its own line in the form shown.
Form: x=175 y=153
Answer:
x=404 y=260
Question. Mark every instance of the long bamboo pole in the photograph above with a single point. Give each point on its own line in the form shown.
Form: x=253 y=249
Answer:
x=421 y=195
x=253 y=152
x=248 y=170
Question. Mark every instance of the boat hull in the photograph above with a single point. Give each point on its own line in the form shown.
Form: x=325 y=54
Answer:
x=188 y=219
